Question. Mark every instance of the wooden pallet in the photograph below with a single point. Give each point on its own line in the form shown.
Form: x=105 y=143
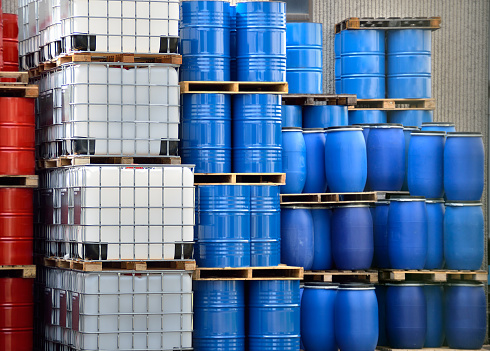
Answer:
x=28 y=271
x=431 y=275
x=240 y=178
x=394 y=104
x=281 y=272
x=341 y=276
x=18 y=181
x=125 y=160
x=37 y=71
x=432 y=23
x=315 y=99
x=119 y=57
x=19 y=88
x=98 y=266
x=386 y=195
x=196 y=87
x=327 y=198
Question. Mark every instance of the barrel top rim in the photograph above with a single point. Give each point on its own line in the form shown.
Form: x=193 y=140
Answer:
x=411 y=128
x=295 y=207
x=405 y=283
x=435 y=201
x=439 y=124
x=352 y=205
x=321 y=285
x=386 y=125
x=464 y=134
x=408 y=199
x=465 y=283
x=291 y=129
x=343 y=129
x=382 y=202
x=356 y=286
x=429 y=132
x=314 y=130
x=463 y=203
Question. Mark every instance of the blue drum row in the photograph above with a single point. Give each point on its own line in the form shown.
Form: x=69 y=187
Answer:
x=219 y=139
x=414 y=315
x=374 y=64
x=229 y=314
x=219 y=42
x=403 y=233
x=237 y=226
x=405 y=117
x=320 y=116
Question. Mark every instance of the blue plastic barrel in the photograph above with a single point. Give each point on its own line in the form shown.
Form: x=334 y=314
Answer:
x=385 y=157
x=465 y=315
x=304 y=64
x=380 y=222
x=464 y=235
x=318 y=318
x=356 y=317
x=345 y=160
x=219 y=315
x=292 y=116
x=352 y=237
x=363 y=63
x=426 y=164
x=261 y=41
x=322 y=257
x=434 y=296
x=407 y=233
x=206 y=132
x=338 y=63
x=224 y=226
x=365 y=130
x=464 y=164
x=408 y=63
x=439 y=127
x=316 y=179
x=257 y=139
x=294 y=160
x=406 y=315
x=367 y=117
x=411 y=117
x=301 y=291
x=265 y=226
x=380 y=290
x=407 y=133
x=233 y=43
x=273 y=315
x=297 y=240
x=325 y=116
x=435 y=234
x=205 y=40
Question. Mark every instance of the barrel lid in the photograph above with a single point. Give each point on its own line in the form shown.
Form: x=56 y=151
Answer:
x=464 y=134
x=295 y=207
x=387 y=125
x=356 y=286
x=344 y=129
x=438 y=124
x=464 y=283
x=292 y=129
x=434 y=201
x=313 y=130
x=428 y=133
x=463 y=203
x=351 y=205
x=321 y=285
x=363 y=125
x=411 y=128
x=382 y=202
x=407 y=198
x=405 y=283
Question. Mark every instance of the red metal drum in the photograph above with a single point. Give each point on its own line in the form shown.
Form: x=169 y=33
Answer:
x=10 y=45
x=17 y=136
x=1 y=36
x=16 y=228
x=10 y=26
x=16 y=314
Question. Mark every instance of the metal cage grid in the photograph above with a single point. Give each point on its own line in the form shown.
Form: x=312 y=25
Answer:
x=119 y=212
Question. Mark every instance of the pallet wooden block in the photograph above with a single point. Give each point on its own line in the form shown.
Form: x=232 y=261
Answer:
x=28 y=271
x=327 y=198
x=394 y=104
x=87 y=160
x=18 y=181
x=199 y=87
x=240 y=178
x=19 y=88
x=388 y=23
x=314 y=99
x=431 y=275
x=281 y=272
x=98 y=266
x=369 y=276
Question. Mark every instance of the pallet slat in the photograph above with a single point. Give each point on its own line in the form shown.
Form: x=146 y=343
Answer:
x=314 y=99
x=281 y=272
x=97 y=266
x=432 y=23
x=199 y=87
x=19 y=88
x=86 y=160
x=431 y=275
x=239 y=178
x=28 y=271
x=341 y=276
x=328 y=198
x=394 y=104
x=19 y=181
